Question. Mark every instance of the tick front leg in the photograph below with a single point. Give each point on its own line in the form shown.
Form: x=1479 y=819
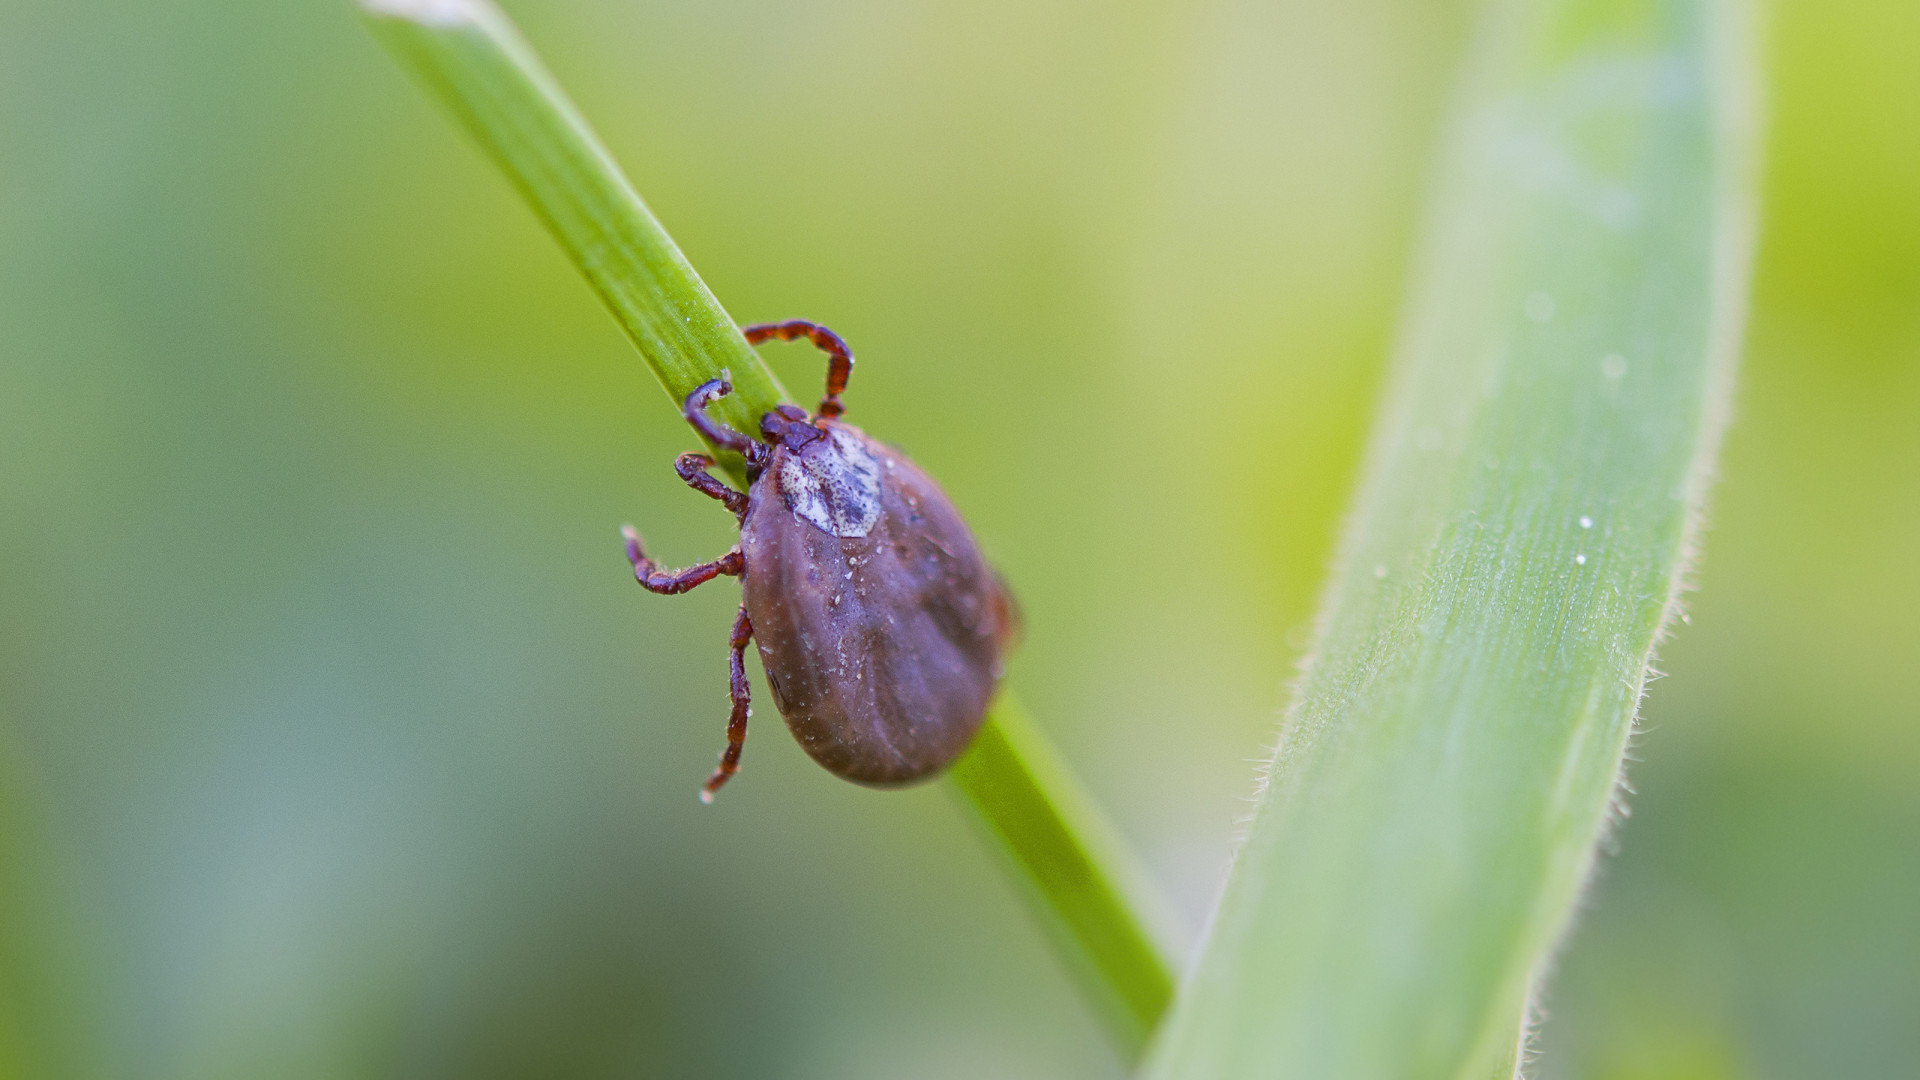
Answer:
x=666 y=583
x=715 y=432
x=839 y=357
x=742 y=707
x=693 y=469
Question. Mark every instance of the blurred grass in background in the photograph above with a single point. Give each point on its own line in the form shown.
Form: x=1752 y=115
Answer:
x=335 y=741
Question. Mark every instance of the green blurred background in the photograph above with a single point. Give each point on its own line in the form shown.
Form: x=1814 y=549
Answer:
x=335 y=740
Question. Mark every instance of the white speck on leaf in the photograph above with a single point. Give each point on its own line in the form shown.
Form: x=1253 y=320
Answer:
x=1586 y=522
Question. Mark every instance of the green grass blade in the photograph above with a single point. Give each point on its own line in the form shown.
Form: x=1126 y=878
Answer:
x=1054 y=841
x=477 y=64
x=1528 y=506
x=1101 y=912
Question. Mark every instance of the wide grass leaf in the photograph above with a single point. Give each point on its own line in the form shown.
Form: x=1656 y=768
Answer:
x=1526 y=518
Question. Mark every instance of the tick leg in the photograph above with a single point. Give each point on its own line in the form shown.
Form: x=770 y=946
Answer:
x=693 y=469
x=666 y=583
x=839 y=364
x=715 y=432
x=742 y=707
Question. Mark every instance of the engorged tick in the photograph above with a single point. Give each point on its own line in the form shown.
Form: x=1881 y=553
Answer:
x=881 y=628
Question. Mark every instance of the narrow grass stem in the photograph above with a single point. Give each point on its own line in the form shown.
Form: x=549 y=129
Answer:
x=1103 y=915
x=474 y=60
x=1054 y=841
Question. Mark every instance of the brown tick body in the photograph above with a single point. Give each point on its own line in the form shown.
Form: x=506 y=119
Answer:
x=880 y=626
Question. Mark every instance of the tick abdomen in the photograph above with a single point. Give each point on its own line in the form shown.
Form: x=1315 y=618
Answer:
x=879 y=623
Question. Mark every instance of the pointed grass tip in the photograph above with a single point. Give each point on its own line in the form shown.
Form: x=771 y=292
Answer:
x=427 y=12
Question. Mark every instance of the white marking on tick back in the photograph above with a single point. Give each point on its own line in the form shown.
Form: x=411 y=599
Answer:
x=836 y=487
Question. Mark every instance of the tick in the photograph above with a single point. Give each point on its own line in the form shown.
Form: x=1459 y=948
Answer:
x=881 y=628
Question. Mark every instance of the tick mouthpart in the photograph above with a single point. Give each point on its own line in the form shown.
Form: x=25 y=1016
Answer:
x=785 y=427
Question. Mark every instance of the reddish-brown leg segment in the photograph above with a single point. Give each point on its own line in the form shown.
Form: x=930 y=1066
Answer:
x=742 y=706
x=667 y=583
x=839 y=364
x=693 y=469
x=717 y=433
